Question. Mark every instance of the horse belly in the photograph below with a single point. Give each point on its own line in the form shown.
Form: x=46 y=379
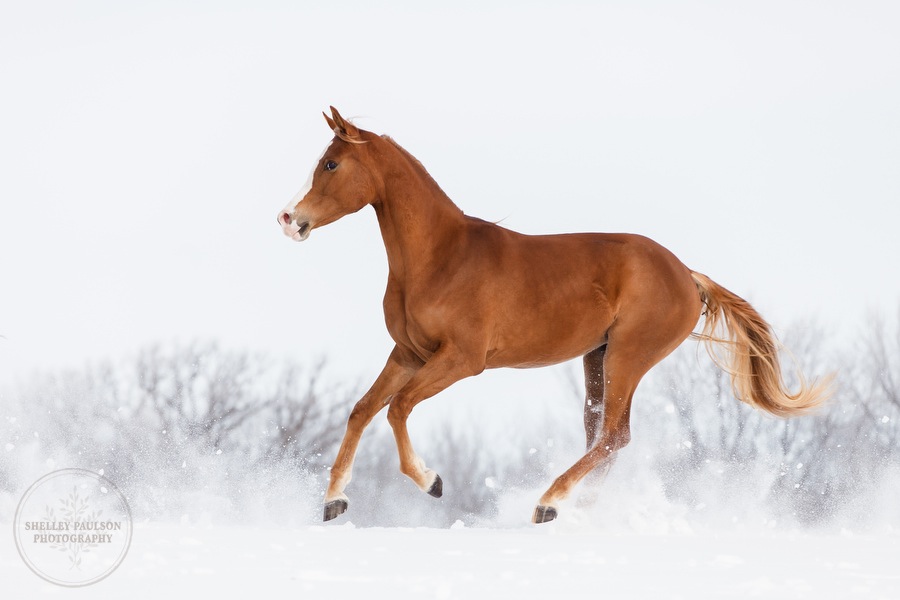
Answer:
x=549 y=334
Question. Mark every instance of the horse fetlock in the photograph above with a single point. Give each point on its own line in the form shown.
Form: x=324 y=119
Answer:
x=337 y=485
x=414 y=469
x=332 y=497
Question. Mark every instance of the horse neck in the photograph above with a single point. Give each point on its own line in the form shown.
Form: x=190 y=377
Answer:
x=418 y=220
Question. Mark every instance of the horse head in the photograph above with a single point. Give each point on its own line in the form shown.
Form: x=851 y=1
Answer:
x=341 y=182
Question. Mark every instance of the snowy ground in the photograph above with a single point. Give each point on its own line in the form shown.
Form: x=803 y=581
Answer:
x=553 y=560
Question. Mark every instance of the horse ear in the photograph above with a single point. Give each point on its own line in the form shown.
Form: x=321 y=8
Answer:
x=330 y=122
x=344 y=127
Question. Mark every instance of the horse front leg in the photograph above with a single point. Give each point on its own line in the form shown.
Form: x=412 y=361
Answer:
x=395 y=374
x=447 y=366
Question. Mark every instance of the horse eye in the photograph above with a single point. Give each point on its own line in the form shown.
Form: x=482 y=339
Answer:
x=330 y=165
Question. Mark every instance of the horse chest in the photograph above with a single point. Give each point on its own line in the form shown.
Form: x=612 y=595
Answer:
x=411 y=321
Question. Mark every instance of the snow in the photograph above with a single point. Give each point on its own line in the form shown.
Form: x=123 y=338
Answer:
x=560 y=558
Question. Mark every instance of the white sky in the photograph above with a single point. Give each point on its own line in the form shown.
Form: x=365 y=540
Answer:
x=145 y=151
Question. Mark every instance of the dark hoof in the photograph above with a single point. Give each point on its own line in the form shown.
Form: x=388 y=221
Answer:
x=334 y=509
x=543 y=514
x=437 y=488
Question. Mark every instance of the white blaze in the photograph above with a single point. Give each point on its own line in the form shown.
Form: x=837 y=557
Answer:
x=292 y=205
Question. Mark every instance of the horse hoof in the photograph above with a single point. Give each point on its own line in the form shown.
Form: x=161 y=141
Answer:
x=437 y=488
x=334 y=509
x=543 y=514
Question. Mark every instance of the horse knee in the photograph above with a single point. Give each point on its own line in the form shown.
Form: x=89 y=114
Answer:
x=361 y=414
x=358 y=416
x=398 y=412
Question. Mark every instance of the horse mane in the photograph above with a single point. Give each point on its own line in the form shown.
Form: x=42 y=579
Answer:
x=419 y=167
x=404 y=152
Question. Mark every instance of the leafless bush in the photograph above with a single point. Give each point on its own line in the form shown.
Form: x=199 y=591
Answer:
x=186 y=417
x=164 y=420
x=817 y=463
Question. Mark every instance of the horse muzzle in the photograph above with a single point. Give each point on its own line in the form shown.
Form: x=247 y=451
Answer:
x=291 y=228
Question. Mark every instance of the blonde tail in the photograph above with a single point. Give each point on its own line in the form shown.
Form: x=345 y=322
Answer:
x=751 y=357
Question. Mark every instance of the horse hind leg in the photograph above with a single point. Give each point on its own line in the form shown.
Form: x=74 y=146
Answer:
x=594 y=383
x=621 y=370
x=593 y=394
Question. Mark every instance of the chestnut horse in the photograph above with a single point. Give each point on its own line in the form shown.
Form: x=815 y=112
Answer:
x=464 y=295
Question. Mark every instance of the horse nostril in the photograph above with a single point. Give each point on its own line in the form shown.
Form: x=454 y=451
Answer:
x=286 y=218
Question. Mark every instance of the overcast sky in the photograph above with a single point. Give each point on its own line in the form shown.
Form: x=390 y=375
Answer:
x=146 y=149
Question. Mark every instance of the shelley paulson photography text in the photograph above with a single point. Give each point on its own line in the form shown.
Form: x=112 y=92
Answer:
x=52 y=529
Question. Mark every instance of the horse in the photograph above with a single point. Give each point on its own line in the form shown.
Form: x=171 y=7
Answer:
x=464 y=295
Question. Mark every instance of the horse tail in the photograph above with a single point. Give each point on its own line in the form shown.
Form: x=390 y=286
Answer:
x=751 y=356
